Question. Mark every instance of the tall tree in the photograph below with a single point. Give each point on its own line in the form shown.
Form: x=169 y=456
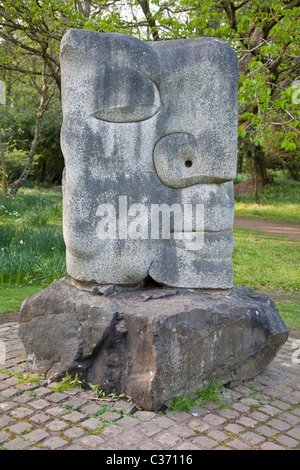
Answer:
x=263 y=34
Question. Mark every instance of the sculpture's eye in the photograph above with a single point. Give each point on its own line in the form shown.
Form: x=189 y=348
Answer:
x=122 y=94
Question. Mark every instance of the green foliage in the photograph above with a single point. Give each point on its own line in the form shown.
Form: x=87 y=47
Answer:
x=15 y=162
x=23 y=377
x=67 y=383
x=99 y=393
x=278 y=157
x=263 y=34
x=209 y=393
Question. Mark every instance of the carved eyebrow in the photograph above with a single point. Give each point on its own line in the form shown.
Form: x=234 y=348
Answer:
x=123 y=94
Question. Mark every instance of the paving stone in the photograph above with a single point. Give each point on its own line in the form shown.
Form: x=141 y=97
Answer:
x=128 y=440
x=290 y=418
x=251 y=438
x=128 y=422
x=40 y=418
x=249 y=401
x=288 y=441
x=234 y=428
x=126 y=407
x=10 y=392
x=240 y=407
x=57 y=425
x=57 y=411
x=40 y=404
x=75 y=402
x=17 y=444
x=271 y=446
x=218 y=435
x=91 y=424
x=150 y=429
x=167 y=439
x=91 y=409
x=4 y=436
x=177 y=416
x=267 y=431
x=228 y=414
x=199 y=426
x=5 y=421
x=74 y=417
x=74 y=432
x=22 y=412
x=110 y=416
x=91 y=442
x=258 y=416
x=42 y=392
x=163 y=422
x=182 y=431
x=214 y=419
x=20 y=427
x=55 y=442
x=204 y=442
x=279 y=424
x=145 y=415
x=292 y=399
x=186 y=446
x=197 y=411
x=281 y=405
x=24 y=398
x=6 y=406
x=294 y=433
x=247 y=422
x=57 y=397
x=37 y=435
x=110 y=432
x=269 y=410
x=150 y=445
x=74 y=447
x=238 y=444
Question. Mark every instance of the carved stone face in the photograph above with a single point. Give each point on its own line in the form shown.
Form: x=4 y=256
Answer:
x=149 y=138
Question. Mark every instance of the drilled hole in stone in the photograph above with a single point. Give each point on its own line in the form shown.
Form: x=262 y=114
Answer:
x=188 y=163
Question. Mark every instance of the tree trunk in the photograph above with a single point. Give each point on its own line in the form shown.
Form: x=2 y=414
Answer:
x=45 y=99
x=250 y=153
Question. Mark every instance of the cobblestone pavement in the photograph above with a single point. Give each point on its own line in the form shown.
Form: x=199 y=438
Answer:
x=263 y=413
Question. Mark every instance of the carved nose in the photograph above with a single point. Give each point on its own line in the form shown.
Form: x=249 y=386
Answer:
x=179 y=163
x=175 y=158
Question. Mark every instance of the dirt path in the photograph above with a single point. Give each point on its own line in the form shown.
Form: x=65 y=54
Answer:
x=286 y=229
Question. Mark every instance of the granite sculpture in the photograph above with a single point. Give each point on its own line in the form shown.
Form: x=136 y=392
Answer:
x=149 y=138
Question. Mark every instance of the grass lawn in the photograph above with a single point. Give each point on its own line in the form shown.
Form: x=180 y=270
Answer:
x=270 y=264
x=32 y=251
x=12 y=296
x=280 y=201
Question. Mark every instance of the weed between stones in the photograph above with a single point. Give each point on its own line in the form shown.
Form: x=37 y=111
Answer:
x=213 y=392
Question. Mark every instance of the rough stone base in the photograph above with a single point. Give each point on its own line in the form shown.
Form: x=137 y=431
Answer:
x=152 y=343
